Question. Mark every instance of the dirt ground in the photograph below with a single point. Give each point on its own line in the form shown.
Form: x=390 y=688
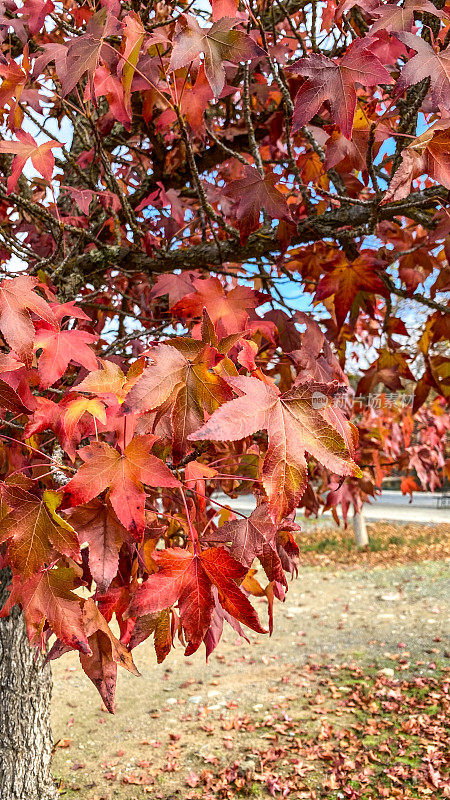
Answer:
x=279 y=716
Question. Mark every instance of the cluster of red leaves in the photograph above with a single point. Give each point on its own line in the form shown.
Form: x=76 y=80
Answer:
x=226 y=407
x=189 y=412
x=178 y=162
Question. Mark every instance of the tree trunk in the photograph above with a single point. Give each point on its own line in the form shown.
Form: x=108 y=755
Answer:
x=25 y=693
x=359 y=527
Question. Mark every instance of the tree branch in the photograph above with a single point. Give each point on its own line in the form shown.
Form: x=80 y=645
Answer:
x=264 y=242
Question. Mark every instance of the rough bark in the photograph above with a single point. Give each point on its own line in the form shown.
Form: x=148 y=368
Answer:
x=262 y=243
x=25 y=693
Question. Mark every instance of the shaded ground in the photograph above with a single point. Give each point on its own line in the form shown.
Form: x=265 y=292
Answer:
x=347 y=700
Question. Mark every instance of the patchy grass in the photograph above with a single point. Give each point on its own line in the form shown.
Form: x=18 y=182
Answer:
x=373 y=737
x=388 y=544
x=368 y=736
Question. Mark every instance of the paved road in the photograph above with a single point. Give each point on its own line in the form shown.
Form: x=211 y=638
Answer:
x=391 y=506
x=425 y=507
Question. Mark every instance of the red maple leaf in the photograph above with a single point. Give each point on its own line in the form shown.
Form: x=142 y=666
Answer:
x=294 y=426
x=195 y=101
x=10 y=400
x=35 y=12
x=175 y=286
x=15 y=394
x=400 y=18
x=67 y=419
x=255 y=193
x=160 y=625
x=346 y=495
x=83 y=53
x=227 y=310
x=76 y=408
x=351 y=154
x=41 y=156
x=17 y=299
x=408 y=486
x=388 y=368
x=15 y=79
x=254 y=537
x=106 y=85
x=218 y=43
x=106 y=653
x=427 y=154
x=35 y=533
x=180 y=375
x=47 y=597
x=110 y=382
x=97 y=524
x=59 y=348
x=426 y=64
x=334 y=81
x=347 y=280
x=187 y=579
x=82 y=197
x=123 y=474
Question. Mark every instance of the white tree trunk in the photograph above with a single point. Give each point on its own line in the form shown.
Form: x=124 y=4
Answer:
x=360 y=529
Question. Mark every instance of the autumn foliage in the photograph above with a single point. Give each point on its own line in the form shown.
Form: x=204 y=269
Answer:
x=167 y=176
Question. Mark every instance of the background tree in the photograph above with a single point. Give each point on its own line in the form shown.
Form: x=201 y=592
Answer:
x=209 y=219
